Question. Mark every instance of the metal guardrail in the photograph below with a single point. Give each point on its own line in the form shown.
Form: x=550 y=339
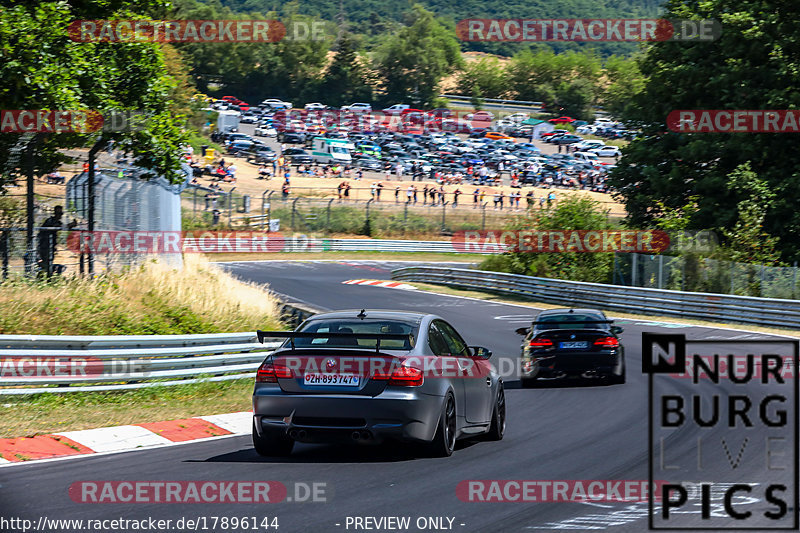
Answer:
x=716 y=307
x=303 y=244
x=57 y=364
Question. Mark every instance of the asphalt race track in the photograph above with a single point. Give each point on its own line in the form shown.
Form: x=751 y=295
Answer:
x=556 y=432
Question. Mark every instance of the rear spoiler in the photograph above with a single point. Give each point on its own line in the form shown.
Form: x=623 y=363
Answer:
x=292 y=335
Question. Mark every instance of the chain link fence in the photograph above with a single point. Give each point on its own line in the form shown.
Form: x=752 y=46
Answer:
x=692 y=273
x=124 y=201
x=388 y=216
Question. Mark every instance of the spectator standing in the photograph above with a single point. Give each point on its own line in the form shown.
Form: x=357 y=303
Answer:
x=425 y=195
x=397 y=194
x=456 y=194
x=475 y=195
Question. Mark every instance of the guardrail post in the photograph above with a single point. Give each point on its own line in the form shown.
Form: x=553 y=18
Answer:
x=264 y=199
x=230 y=208
x=367 y=228
x=328 y=222
x=4 y=252
x=294 y=210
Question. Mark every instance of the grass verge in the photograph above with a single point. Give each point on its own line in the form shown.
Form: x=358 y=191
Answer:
x=50 y=413
x=144 y=300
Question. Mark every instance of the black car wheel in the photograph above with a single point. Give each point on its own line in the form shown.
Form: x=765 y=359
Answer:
x=498 y=427
x=271 y=444
x=619 y=379
x=444 y=441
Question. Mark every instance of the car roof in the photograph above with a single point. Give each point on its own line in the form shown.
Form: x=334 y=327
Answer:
x=563 y=310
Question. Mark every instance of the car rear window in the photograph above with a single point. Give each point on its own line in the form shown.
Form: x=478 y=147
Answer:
x=359 y=326
x=570 y=321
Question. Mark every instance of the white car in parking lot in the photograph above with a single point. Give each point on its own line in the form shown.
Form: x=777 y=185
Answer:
x=607 y=151
x=314 y=106
x=358 y=106
x=275 y=103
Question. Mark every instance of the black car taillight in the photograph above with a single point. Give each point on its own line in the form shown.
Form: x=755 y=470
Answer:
x=269 y=373
x=607 y=342
x=540 y=343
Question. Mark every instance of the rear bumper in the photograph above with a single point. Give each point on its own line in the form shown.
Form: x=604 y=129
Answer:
x=393 y=414
x=577 y=364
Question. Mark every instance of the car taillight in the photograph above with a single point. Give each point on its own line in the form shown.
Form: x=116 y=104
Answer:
x=540 y=343
x=607 y=342
x=269 y=373
x=404 y=376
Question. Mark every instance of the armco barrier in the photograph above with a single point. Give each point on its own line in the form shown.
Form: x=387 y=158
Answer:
x=309 y=244
x=35 y=364
x=716 y=307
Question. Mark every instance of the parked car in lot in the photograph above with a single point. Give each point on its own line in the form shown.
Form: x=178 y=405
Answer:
x=358 y=106
x=265 y=131
x=496 y=135
x=374 y=376
x=297 y=156
x=262 y=155
x=276 y=103
x=607 y=151
x=562 y=120
x=240 y=147
x=314 y=106
x=564 y=343
x=291 y=137
x=567 y=139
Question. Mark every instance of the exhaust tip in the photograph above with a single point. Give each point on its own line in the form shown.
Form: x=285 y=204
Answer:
x=356 y=435
x=366 y=435
x=301 y=434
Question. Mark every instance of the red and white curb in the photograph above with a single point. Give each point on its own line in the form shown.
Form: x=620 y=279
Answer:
x=123 y=438
x=381 y=283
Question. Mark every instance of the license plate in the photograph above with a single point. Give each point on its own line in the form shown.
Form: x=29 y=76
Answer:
x=343 y=380
x=573 y=345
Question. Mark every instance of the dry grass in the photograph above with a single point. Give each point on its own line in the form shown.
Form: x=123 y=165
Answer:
x=50 y=413
x=149 y=299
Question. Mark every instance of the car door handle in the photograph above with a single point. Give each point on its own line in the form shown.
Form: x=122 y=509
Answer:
x=488 y=382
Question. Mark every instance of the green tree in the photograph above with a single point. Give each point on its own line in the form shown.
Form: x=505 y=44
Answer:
x=486 y=75
x=752 y=65
x=747 y=242
x=625 y=81
x=412 y=62
x=573 y=212
x=347 y=79
x=41 y=68
x=574 y=98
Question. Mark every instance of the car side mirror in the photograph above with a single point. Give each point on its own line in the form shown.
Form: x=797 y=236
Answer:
x=522 y=331
x=616 y=330
x=480 y=352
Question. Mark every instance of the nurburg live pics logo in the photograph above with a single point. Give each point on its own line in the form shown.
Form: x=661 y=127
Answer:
x=726 y=444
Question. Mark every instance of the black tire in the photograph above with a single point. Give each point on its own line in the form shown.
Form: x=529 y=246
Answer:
x=444 y=441
x=498 y=426
x=271 y=444
x=619 y=379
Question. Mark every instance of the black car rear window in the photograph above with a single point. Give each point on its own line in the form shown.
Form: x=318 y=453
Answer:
x=359 y=326
x=571 y=321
